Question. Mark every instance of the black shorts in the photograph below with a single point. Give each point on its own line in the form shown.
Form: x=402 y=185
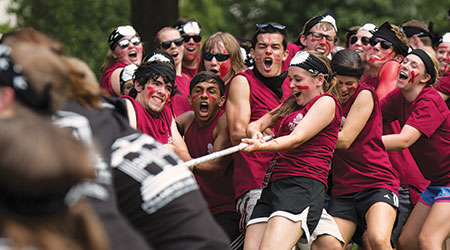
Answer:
x=289 y=198
x=355 y=206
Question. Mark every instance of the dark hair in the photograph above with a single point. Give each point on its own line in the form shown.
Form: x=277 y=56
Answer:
x=347 y=62
x=145 y=72
x=269 y=29
x=210 y=77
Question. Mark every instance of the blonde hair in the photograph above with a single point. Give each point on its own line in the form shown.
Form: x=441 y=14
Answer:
x=400 y=35
x=328 y=86
x=231 y=45
x=109 y=61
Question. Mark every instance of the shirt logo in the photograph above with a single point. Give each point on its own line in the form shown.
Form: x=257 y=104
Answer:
x=295 y=122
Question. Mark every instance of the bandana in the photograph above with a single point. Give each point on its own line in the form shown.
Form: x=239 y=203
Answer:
x=273 y=83
x=310 y=63
x=445 y=38
x=387 y=34
x=189 y=27
x=429 y=65
x=369 y=27
x=10 y=75
x=415 y=31
x=127 y=73
x=118 y=33
x=347 y=71
x=325 y=18
x=160 y=56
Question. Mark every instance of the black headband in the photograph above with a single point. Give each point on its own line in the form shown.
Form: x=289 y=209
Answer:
x=327 y=18
x=10 y=75
x=387 y=34
x=310 y=63
x=347 y=71
x=429 y=65
x=415 y=31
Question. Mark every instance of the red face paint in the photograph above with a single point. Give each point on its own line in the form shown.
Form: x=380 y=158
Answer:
x=386 y=57
x=413 y=76
x=204 y=91
x=224 y=69
x=151 y=90
x=303 y=87
x=352 y=88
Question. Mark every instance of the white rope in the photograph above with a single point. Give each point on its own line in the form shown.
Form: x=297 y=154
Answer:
x=218 y=154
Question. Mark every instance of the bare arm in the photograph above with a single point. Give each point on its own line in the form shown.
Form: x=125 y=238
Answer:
x=218 y=166
x=256 y=129
x=184 y=120
x=178 y=144
x=356 y=119
x=444 y=96
x=405 y=139
x=115 y=81
x=131 y=113
x=238 y=108
x=317 y=118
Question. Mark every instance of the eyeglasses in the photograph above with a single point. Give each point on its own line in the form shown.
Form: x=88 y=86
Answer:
x=197 y=38
x=319 y=36
x=219 y=57
x=178 y=42
x=124 y=43
x=273 y=25
x=384 y=44
x=364 y=40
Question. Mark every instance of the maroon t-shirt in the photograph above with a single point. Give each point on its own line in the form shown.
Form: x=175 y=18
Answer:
x=444 y=86
x=189 y=72
x=218 y=191
x=105 y=82
x=156 y=126
x=428 y=114
x=179 y=102
x=365 y=164
x=293 y=49
x=249 y=169
x=311 y=159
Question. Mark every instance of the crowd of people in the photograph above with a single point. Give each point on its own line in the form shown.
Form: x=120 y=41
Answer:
x=359 y=155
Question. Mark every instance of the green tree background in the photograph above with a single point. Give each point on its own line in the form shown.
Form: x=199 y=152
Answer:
x=84 y=25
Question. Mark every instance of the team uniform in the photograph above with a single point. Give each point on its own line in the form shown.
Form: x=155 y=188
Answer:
x=105 y=82
x=293 y=49
x=444 y=86
x=362 y=174
x=179 y=102
x=250 y=169
x=301 y=172
x=161 y=202
x=428 y=114
x=190 y=72
x=218 y=191
x=158 y=127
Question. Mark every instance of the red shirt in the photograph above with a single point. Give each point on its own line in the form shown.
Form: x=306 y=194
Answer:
x=249 y=169
x=218 y=191
x=365 y=164
x=444 y=86
x=179 y=102
x=105 y=82
x=156 y=126
x=311 y=159
x=293 y=49
x=428 y=114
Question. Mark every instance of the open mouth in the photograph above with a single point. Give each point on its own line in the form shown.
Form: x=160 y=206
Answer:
x=174 y=54
x=190 y=49
x=298 y=94
x=402 y=76
x=132 y=54
x=268 y=63
x=215 y=71
x=321 y=50
x=204 y=107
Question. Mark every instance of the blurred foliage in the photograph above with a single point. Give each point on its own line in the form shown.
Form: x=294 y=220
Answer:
x=239 y=17
x=82 y=25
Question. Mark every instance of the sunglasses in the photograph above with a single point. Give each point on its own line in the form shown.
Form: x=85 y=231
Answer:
x=319 y=36
x=178 y=42
x=384 y=44
x=124 y=43
x=364 y=40
x=219 y=57
x=273 y=25
x=197 y=38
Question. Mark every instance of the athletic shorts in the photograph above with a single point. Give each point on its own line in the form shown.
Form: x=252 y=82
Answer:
x=326 y=226
x=295 y=198
x=404 y=210
x=245 y=205
x=434 y=194
x=355 y=206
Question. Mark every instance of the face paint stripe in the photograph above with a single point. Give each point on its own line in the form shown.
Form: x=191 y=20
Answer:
x=208 y=94
x=413 y=76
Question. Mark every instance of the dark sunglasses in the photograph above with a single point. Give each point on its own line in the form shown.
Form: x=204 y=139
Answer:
x=384 y=44
x=219 y=57
x=364 y=40
x=197 y=38
x=178 y=42
x=273 y=25
x=124 y=43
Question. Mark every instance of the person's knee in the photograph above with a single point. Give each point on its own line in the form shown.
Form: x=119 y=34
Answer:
x=378 y=241
x=429 y=241
x=326 y=242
